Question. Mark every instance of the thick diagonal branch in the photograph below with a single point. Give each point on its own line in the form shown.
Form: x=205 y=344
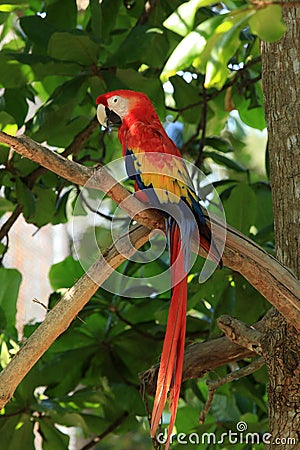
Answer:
x=241 y=254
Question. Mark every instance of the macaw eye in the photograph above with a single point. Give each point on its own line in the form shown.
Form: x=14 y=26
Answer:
x=115 y=100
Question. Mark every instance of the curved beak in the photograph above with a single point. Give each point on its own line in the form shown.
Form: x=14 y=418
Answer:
x=107 y=117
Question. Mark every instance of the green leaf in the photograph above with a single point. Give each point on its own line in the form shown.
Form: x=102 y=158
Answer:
x=4 y=150
x=224 y=161
x=131 y=398
x=219 y=143
x=52 y=437
x=72 y=364
x=247 y=295
x=2 y=250
x=185 y=94
x=224 y=408
x=56 y=122
x=184 y=54
x=25 y=198
x=110 y=23
x=5 y=206
x=264 y=208
x=44 y=206
x=16 y=104
x=267 y=23
x=226 y=40
x=75 y=47
x=60 y=215
x=17 y=432
x=186 y=419
x=96 y=424
x=65 y=273
x=253 y=117
x=13 y=74
x=3 y=16
x=240 y=208
x=11 y=5
x=148 y=39
x=37 y=29
x=10 y=281
x=62 y=15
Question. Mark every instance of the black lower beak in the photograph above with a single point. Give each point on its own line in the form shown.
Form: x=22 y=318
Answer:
x=112 y=118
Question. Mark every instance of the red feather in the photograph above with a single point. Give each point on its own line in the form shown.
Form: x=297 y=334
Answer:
x=171 y=362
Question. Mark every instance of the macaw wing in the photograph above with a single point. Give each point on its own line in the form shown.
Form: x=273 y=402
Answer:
x=164 y=179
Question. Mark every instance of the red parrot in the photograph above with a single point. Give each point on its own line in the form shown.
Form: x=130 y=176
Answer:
x=156 y=165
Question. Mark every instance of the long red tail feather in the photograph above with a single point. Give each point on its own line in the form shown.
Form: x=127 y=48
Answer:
x=171 y=363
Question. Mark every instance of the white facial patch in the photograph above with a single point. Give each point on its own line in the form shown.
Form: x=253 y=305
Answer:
x=118 y=105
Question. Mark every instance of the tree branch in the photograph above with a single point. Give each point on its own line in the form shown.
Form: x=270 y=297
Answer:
x=59 y=318
x=203 y=357
x=75 y=146
x=106 y=432
x=240 y=333
x=275 y=282
x=10 y=221
x=235 y=375
x=241 y=254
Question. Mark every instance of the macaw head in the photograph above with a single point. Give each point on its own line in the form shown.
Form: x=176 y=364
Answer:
x=124 y=107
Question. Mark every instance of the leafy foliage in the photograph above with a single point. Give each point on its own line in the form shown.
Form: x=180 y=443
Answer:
x=202 y=62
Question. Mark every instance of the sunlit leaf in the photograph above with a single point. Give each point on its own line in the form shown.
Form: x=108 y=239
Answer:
x=267 y=23
x=13 y=74
x=226 y=41
x=181 y=21
x=184 y=54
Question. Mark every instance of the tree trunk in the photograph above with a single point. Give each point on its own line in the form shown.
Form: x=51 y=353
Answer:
x=281 y=342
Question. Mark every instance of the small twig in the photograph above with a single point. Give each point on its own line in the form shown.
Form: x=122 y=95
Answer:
x=240 y=333
x=106 y=432
x=35 y=300
x=214 y=93
x=99 y=213
x=133 y=326
x=4 y=230
x=148 y=10
x=207 y=406
x=236 y=375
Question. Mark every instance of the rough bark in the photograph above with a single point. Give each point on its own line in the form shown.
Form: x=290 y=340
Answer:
x=281 y=342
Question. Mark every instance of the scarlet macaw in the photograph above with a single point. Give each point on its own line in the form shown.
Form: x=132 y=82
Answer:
x=156 y=165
